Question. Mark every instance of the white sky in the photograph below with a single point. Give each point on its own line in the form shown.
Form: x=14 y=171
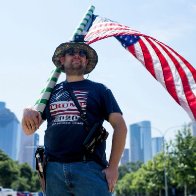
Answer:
x=31 y=30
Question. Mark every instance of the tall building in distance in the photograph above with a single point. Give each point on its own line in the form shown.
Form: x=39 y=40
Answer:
x=36 y=143
x=13 y=141
x=125 y=157
x=140 y=142
x=157 y=145
x=10 y=132
x=28 y=148
x=146 y=145
x=135 y=143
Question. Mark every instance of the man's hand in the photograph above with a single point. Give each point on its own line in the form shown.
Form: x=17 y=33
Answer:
x=118 y=143
x=111 y=177
x=31 y=120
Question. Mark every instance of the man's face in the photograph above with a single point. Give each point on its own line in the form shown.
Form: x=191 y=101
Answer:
x=74 y=61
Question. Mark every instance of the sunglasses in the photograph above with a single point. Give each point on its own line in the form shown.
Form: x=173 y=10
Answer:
x=72 y=52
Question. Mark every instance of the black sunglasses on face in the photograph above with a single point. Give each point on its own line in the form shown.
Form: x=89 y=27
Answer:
x=72 y=52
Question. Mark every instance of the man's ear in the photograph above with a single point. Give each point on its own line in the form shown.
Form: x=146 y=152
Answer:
x=62 y=60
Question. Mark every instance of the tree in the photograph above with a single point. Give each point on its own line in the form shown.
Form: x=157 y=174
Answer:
x=155 y=174
x=184 y=152
x=3 y=156
x=35 y=183
x=128 y=167
x=17 y=176
x=26 y=171
x=123 y=187
x=9 y=172
x=21 y=184
x=179 y=160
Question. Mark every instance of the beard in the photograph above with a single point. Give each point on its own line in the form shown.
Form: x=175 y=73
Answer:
x=76 y=68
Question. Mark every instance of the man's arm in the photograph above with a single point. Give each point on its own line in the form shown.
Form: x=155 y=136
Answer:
x=118 y=144
x=31 y=120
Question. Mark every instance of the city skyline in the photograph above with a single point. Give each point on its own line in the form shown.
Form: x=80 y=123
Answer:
x=142 y=146
x=13 y=141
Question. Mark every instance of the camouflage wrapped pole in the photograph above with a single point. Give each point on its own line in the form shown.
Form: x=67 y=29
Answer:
x=51 y=82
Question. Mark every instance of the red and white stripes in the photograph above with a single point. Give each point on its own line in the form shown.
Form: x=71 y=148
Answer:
x=176 y=74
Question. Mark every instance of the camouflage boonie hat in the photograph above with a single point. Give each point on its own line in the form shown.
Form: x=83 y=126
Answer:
x=78 y=44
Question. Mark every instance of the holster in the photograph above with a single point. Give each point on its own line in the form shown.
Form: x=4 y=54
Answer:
x=97 y=134
x=41 y=166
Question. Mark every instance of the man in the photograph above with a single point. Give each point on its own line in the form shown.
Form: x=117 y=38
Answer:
x=71 y=170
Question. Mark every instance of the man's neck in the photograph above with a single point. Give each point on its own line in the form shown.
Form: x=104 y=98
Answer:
x=74 y=78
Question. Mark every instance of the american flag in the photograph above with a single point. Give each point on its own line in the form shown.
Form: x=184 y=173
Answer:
x=169 y=68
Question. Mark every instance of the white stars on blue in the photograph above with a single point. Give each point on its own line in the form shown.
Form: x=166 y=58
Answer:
x=127 y=40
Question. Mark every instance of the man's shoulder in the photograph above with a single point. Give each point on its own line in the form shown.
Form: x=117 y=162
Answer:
x=97 y=85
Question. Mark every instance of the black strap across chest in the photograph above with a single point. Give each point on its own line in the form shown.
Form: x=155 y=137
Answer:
x=75 y=100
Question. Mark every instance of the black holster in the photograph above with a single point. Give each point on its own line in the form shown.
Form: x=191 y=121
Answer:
x=97 y=134
x=41 y=166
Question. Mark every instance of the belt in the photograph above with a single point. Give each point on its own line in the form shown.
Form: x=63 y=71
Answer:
x=82 y=158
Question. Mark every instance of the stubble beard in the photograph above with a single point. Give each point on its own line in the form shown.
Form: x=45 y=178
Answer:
x=75 y=68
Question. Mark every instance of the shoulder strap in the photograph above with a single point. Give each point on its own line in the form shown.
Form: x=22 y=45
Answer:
x=75 y=100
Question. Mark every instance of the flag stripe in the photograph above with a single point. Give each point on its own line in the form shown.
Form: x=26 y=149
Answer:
x=148 y=60
x=187 y=73
x=166 y=71
x=187 y=65
x=104 y=27
x=175 y=73
x=155 y=66
x=188 y=83
x=172 y=83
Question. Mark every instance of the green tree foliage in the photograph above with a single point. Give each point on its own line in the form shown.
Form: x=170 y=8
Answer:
x=177 y=164
x=126 y=173
x=123 y=187
x=128 y=167
x=26 y=171
x=9 y=172
x=3 y=156
x=21 y=184
x=17 y=176
x=184 y=157
x=35 y=182
x=139 y=181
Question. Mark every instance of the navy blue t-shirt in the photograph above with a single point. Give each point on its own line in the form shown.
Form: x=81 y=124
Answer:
x=65 y=131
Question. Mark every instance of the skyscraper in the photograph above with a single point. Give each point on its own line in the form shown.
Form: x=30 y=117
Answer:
x=36 y=143
x=10 y=132
x=28 y=147
x=125 y=157
x=157 y=145
x=140 y=142
x=135 y=143
x=146 y=145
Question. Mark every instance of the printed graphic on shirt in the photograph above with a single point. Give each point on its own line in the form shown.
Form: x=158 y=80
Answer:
x=63 y=109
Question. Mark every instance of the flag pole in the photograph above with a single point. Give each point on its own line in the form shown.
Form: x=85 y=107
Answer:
x=52 y=80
